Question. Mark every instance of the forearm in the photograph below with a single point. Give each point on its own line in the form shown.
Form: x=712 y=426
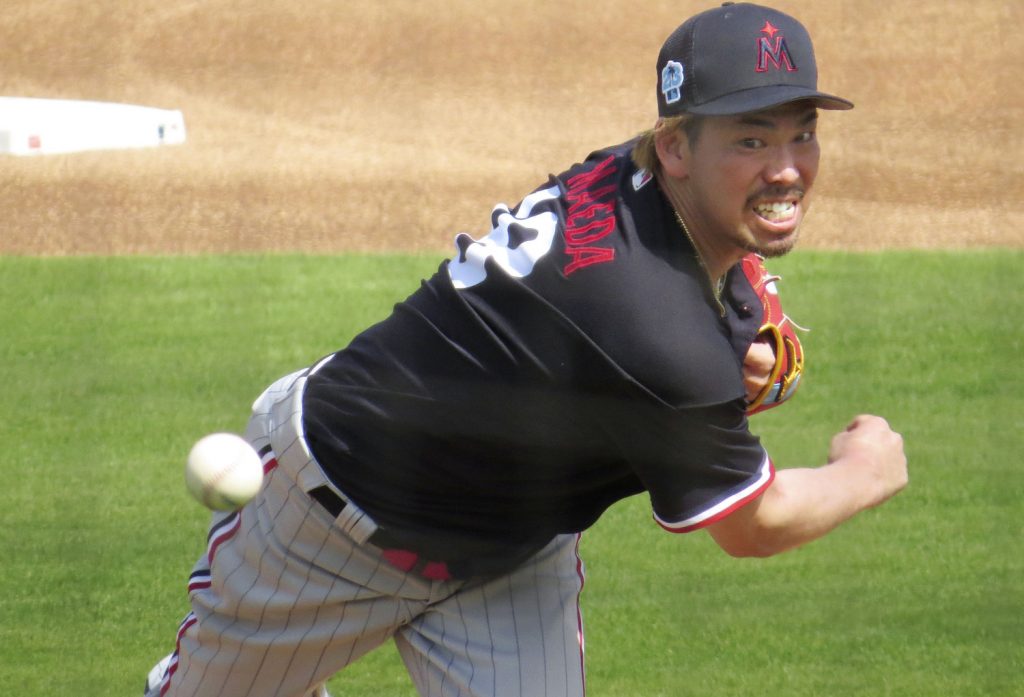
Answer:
x=802 y=505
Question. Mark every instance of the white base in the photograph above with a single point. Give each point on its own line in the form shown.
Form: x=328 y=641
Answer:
x=31 y=126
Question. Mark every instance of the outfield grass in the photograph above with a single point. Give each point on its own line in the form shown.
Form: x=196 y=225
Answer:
x=111 y=367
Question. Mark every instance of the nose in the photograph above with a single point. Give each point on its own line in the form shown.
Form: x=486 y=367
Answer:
x=783 y=166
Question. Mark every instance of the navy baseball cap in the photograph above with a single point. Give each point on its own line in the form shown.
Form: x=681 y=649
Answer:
x=735 y=59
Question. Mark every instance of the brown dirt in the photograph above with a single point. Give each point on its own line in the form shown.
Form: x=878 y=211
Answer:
x=325 y=126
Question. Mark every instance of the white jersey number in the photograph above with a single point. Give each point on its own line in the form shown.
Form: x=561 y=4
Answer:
x=515 y=244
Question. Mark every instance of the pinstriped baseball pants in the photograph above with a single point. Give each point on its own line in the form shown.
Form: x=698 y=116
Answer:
x=285 y=596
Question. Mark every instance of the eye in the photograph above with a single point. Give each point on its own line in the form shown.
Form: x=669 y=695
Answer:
x=751 y=143
x=805 y=137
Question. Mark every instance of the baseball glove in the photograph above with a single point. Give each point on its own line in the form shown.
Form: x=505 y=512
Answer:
x=778 y=330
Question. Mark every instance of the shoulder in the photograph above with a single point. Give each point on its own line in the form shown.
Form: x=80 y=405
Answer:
x=607 y=178
x=577 y=219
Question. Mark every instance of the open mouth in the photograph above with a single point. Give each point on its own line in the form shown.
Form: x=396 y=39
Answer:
x=776 y=211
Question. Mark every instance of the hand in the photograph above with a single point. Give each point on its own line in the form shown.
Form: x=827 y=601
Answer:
x=869 y=442
x=757 y=368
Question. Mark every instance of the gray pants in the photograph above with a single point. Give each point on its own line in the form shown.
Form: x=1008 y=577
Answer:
x=285 y=596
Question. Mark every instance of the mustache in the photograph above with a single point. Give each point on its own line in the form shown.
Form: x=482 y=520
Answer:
x=778 y=192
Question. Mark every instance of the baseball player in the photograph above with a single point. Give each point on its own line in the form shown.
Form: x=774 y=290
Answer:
x=610 y=336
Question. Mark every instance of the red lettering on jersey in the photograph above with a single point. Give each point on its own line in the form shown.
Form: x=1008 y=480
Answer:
x=585 y=233
x=591 y=216
x=582 y=181
x=585 y=256
x=582 y=198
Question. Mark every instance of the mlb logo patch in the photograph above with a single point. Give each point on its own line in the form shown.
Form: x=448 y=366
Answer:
x=672 y=82
x=641 y=178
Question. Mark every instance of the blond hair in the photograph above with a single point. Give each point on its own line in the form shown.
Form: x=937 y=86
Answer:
x=645 y=151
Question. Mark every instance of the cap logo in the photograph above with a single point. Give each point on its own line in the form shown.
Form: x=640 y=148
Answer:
x=776 y=53
x=672 y=82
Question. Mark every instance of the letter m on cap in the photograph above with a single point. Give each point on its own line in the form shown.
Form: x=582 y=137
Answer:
x=777 y=54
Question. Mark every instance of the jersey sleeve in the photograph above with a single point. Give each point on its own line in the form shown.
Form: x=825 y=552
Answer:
x=698 y=464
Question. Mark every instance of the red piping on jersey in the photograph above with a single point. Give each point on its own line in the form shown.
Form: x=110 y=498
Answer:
x=724 y=508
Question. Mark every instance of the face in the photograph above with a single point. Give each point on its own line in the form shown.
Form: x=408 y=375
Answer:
x=748 y=178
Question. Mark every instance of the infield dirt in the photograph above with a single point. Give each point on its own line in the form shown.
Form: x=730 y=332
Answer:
x=333 y=125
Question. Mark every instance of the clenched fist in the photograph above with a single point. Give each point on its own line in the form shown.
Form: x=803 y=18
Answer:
x=870 y=443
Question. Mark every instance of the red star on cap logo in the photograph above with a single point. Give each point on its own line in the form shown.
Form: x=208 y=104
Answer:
x=769 y=29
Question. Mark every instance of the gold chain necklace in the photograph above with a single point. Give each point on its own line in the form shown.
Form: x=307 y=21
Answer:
x=716 y=288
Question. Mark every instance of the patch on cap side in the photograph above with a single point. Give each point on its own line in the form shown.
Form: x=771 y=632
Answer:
x=672 y=82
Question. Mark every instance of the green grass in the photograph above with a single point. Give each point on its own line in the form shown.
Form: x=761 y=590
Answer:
x=111 y=368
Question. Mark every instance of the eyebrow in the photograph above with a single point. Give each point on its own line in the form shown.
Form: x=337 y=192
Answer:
x=810 y=116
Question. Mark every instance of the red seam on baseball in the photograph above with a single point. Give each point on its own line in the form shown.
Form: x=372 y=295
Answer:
x=209 y=486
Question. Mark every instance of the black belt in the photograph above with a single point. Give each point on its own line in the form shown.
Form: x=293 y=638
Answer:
x=401 y=552
x=395 y=550
x=329 y=500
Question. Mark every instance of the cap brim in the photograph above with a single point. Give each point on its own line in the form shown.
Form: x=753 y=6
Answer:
x=761 y=98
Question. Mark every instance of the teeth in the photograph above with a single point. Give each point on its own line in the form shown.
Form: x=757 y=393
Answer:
x=780 y=210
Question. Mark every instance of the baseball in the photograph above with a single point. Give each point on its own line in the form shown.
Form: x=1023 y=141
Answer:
x=223 y=472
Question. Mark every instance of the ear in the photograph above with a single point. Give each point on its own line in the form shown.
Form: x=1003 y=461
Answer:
x=673 y=148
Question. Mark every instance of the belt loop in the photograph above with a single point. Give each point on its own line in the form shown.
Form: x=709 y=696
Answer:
x=356 y=523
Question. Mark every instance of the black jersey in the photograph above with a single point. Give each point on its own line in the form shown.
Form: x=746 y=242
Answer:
x=572 y=357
